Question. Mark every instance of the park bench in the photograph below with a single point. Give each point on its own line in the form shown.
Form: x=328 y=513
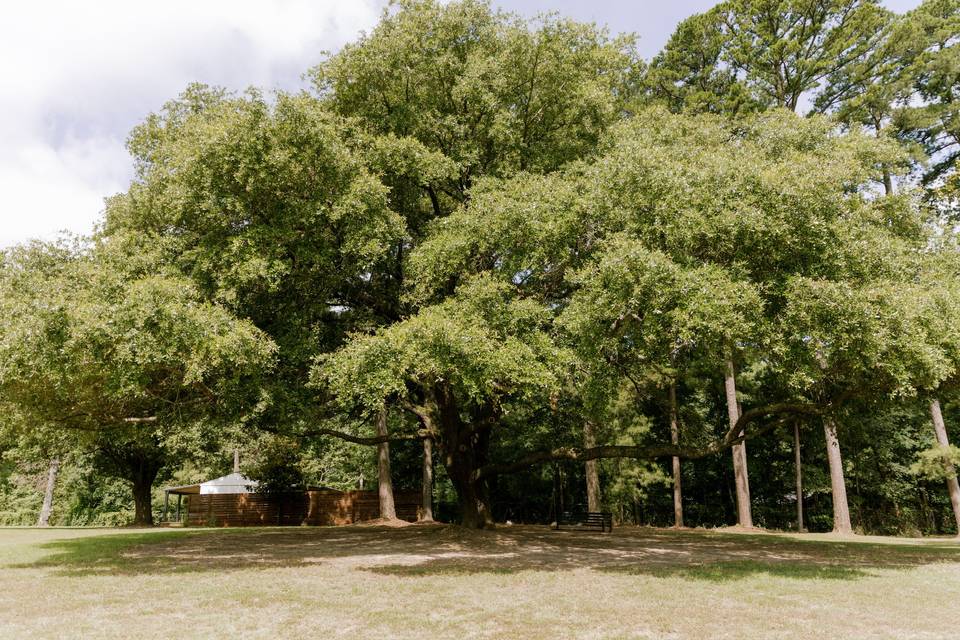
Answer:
x=602 y=520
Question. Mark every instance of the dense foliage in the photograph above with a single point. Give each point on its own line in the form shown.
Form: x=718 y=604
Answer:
x=562 y=267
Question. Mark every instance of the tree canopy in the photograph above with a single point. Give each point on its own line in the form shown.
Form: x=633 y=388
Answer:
x=518 y=242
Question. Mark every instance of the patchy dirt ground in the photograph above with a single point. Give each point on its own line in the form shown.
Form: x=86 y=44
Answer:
x=530 y=582
x=451 y=549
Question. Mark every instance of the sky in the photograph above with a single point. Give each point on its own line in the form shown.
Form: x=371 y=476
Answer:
x=76 y=77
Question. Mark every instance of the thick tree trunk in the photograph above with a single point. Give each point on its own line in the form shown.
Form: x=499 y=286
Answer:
x=478 y=494
x=142 y=496
x=473 y=495
x=464 y=450
x=953 y=486
x=388 y=510
x=426 y=511
x=799 y=472
x=591 y=470
x=675 y=439
x=744 y=516
x=841 y=510
x=47 y=507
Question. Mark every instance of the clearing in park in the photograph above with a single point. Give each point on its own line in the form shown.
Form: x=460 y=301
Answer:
x=448 y=582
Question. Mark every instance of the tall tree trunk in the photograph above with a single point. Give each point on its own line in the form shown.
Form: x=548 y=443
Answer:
x=555 y=495
x=744 y=517
x=591 y=470
x=887 y=177
x=47 y=507
x=953 y=486
x=841 y=510
x=675 y=439
x=388 y=510
x=799 y=472
x=426 y=511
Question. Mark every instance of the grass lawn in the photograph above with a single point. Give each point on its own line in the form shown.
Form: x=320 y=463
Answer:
x=445 y=582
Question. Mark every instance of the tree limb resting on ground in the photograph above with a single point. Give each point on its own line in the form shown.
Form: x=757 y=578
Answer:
x=735 y=435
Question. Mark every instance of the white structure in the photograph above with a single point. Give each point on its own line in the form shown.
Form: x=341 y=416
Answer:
x=234 y=482
x=231 y=483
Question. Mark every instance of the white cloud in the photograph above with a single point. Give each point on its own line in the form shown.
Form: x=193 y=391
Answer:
x=76 y=76
x=47 y=188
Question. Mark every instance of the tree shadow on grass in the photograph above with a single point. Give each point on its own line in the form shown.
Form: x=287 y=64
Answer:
x=693 y=555
x=708 y=572
x=421 y=551
x=740 y=569
x=225 y=550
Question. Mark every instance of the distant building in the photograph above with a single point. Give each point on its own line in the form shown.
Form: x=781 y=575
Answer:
x=232 y=501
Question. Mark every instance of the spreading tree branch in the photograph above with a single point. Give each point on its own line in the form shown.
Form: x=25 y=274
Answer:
x=735 y=435
x=349 y=437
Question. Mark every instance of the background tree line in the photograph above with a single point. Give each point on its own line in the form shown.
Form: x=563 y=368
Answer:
x=515 y=251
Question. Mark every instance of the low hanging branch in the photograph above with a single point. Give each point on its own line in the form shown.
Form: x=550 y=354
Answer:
x=349 y=437
x=735 y=435
x=356 y=413
x=784 y=412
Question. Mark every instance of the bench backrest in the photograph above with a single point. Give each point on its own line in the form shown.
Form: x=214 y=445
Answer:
x=603 y=519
